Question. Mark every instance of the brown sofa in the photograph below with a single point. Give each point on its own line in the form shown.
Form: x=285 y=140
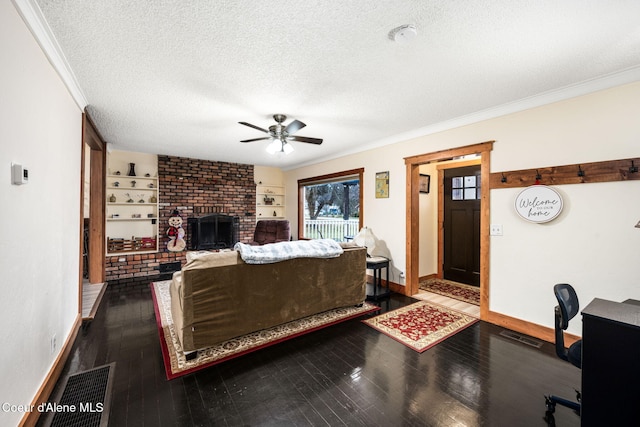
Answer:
x=217 y=296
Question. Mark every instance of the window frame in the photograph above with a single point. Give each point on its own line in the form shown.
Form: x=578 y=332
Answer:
x=328 y=178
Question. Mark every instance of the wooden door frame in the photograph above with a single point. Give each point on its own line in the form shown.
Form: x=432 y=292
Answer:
x=413 y=214
x=441 y=168
x=97 y=202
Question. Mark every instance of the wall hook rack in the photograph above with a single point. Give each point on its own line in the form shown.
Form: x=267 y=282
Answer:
x=578 y=173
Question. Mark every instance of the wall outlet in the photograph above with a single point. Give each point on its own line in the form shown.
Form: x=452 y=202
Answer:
x=54 y=344
x=495 y=230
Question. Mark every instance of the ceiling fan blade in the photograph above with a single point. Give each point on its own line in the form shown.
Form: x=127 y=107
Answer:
x=256 y=139
x=317 y=141
x=294 y=127
x=254 y=126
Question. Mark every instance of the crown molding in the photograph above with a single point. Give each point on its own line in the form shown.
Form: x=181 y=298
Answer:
x=34 y=19
x=630 y=75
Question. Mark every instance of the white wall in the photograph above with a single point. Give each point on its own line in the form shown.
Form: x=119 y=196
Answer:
x=40 y=127
x=592 y=245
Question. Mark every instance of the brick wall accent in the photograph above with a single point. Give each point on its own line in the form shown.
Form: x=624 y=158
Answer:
x=139 y=265
x=193 y=187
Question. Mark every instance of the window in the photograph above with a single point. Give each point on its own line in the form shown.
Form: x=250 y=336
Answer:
x=465 y=187
x=329 y=206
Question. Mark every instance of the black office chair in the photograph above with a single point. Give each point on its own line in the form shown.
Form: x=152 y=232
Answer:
x=566 y=310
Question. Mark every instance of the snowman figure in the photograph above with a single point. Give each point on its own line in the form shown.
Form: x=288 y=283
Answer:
x=175 y=232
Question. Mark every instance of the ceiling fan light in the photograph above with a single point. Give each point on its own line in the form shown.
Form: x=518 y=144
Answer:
x=274 y=146
x=287 y=148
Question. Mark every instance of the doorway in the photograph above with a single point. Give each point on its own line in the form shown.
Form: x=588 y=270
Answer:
x=461 y=224
x=413 y=215
x=92 y=226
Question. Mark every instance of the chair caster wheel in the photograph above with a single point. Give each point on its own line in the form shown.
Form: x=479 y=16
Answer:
x=549 y=419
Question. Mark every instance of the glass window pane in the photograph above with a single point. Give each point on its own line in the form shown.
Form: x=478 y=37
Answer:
x=456 y=194
x=469 y=193
x=331 y=209
x=457 y=182
x=470 y=181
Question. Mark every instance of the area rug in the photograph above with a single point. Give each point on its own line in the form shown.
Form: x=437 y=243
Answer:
x=177 y=365
x=459 y=291
x=421 y=325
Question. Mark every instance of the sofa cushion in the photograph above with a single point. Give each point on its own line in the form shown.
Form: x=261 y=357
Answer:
x=212 y=259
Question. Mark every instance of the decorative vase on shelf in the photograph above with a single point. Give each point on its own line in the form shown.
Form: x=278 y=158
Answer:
x=112 y=198
x=132 y=169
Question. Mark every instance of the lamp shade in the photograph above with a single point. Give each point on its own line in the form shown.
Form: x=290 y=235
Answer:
x=367 y=239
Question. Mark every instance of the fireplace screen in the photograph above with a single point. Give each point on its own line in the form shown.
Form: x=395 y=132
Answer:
x=213 y=231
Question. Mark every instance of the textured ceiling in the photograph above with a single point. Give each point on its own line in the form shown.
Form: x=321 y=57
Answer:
x=175 y=77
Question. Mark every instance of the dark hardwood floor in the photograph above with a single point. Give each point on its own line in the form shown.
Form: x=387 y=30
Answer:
x=348 y=374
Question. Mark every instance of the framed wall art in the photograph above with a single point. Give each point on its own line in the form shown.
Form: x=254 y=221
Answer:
x=382 y=185
x=424 y=181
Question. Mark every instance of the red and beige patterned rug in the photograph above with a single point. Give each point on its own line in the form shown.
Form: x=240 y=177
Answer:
x=421 y=325
x=177 y=365
x=459 y=291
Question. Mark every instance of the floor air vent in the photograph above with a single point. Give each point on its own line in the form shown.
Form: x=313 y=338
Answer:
x=522 y=338
x=85 y=399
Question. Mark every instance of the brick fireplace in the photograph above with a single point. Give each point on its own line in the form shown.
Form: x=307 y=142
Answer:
x=194 y=188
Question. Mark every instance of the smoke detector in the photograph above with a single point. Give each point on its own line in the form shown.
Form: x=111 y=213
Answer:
x=403 y=33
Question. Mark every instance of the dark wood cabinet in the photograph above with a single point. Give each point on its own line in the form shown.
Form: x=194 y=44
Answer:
x=610 y=363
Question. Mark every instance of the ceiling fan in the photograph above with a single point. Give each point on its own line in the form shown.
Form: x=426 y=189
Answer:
x=281 y=134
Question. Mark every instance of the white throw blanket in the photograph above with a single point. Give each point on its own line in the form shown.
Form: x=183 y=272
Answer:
x=281 y=251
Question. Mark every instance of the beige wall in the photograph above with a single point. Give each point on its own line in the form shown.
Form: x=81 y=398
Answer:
x=40 y=127
x=268 y=175
x=593 y=245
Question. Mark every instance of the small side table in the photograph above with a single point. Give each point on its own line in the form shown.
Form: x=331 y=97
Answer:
x=375 y=291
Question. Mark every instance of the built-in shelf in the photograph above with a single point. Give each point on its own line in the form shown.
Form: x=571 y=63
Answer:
x=270 y=202
x=126 y=234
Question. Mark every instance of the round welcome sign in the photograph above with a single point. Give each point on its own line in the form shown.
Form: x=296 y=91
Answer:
x=539 y=204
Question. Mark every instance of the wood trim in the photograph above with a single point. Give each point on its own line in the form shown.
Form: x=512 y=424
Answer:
x=328 y=178
x=331 y=176
x=412 y=224
x=458 y=164
x=412 y=216
x=393 y=286
x=97 y=206
x=449 y=154
x=427 y=277
x=532 y=329
x=30 y=418
x=440 y=224
x=579 y=173
x=485 y=241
